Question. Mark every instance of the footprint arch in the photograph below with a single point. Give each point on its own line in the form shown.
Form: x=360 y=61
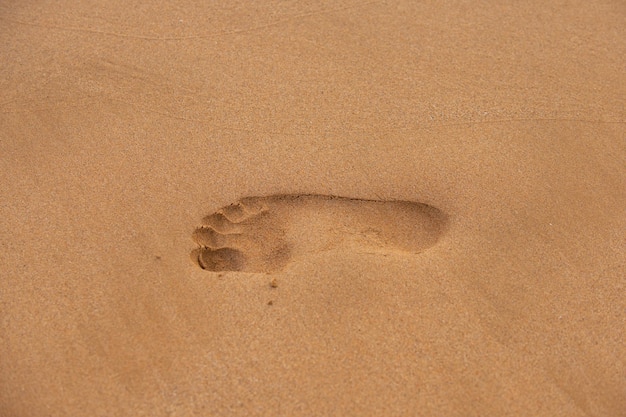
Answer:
x=264 y=234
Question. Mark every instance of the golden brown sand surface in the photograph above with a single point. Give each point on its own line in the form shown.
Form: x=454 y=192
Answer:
x=313 y=208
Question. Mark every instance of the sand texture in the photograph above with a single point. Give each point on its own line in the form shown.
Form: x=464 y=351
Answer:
x=386 y=208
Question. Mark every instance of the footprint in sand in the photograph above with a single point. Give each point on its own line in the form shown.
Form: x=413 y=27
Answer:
x=263 y=234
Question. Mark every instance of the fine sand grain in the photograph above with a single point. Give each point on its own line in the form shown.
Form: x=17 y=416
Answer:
x=393 y=208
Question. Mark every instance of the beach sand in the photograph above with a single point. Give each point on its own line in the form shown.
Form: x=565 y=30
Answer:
x=313 y=208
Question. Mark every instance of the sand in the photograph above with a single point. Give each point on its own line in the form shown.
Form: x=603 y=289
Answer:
x=313 y=208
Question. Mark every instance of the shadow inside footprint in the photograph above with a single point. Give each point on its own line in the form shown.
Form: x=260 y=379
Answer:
x=263 y=234
x=223 y=259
